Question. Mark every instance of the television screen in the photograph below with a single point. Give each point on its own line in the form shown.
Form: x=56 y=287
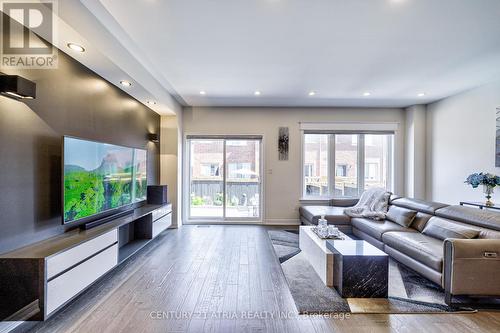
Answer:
x=140 y=174
x=101 y=177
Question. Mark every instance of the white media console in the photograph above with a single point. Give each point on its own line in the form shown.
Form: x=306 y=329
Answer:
x=40 y=279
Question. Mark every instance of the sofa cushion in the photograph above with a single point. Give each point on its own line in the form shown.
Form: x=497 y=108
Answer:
x=424 y=249
x=375 y=229
x=418 y=205
x=479 y=217
x=333 y=215
x=402 y=216
x=488 y=234
x=442 y=229
x=343 y=202
x=420 y=221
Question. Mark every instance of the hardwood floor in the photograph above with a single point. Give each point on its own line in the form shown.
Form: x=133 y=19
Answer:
x=221 y=279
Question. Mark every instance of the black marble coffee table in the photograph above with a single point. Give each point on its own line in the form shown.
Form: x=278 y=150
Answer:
x=359 y=269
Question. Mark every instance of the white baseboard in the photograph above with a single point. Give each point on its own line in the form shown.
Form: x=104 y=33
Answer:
x=282 y=222
x=7 y=326
x=264 y=222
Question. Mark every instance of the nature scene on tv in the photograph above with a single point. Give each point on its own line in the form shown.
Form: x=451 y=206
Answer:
x=141 y=179
x=99 y=177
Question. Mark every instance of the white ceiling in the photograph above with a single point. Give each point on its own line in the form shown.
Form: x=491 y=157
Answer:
x=394 y=49
x=107 y=56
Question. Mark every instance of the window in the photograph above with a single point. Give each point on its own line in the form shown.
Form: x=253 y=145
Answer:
x=344 y=165
x=378 y=161
x=224 y=179
x=316 y=156
x=346 y=157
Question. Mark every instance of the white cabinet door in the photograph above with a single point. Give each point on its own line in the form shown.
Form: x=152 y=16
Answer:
x=161 y=224
x=64 y=287
x=73 y=256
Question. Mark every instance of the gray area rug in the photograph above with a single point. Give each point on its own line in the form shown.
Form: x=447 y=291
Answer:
x=408 y=291
x=285 y=243
x=308 y=291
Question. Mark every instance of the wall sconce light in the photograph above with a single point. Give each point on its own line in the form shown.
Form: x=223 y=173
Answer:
x=17 y=87
x=153 y=137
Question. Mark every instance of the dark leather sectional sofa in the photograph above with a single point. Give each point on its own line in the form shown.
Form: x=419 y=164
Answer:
x=456 y=247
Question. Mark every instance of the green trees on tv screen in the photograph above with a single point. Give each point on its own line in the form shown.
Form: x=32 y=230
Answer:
x=100 y=177
x=88 y=193
x=83 y=194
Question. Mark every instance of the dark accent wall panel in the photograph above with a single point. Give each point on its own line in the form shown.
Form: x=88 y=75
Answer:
x=71 y=100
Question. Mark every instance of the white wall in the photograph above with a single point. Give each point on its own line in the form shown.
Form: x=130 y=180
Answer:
x=171 y=162
x=415 y=152
x=282 y=179
x=461 y=140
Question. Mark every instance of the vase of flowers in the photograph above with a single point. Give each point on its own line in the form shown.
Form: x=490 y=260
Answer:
x=489 y=182
x=488 y=190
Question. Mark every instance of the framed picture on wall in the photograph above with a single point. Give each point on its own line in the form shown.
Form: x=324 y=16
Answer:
x=283 y=141
x=497 y=146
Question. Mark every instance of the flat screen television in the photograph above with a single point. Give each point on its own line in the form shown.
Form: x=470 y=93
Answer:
x=100 y=179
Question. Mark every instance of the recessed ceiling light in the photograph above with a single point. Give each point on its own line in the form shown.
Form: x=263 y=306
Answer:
x=76 y=47
x=367 y=93
x=203 y=92
x=312 y=93
x=125 y=83
x=421 y=94
x=257 y=93
x=151 y=102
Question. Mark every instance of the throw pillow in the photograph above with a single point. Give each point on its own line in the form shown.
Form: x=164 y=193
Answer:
x=402 y=216
x=442 y=229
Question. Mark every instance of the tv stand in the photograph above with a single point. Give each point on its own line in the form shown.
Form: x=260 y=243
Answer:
x=106 y=219
x=39 y=280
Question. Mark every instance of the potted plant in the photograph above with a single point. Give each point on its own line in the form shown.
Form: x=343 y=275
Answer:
x=488 y=180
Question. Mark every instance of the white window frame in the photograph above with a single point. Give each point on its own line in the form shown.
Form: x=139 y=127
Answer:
x=388 y=129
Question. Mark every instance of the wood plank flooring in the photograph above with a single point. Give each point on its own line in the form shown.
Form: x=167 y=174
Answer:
x=221 y=279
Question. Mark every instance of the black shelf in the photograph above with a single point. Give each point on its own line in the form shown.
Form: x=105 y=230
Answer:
x=480 y=205
x=130 y=248
x=133 y=236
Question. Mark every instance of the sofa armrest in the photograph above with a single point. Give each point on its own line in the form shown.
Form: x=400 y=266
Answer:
x=343 y=202
x=472 y=267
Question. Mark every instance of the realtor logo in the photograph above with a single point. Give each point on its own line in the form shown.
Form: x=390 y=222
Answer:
x=28 y=32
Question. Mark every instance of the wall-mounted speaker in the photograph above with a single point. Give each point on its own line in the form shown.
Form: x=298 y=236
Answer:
x=157 y=194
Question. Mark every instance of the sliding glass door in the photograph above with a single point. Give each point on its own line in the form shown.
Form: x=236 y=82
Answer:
x=207 y=178
x=224 y=178
x=243 y=178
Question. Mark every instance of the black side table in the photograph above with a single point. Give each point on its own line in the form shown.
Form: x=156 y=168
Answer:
x=359 y=269
x=479 y=204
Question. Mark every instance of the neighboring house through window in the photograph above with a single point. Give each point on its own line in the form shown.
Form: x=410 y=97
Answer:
x=209 y=170
x=344 y=165
x=341 y=170
x=308 y=170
